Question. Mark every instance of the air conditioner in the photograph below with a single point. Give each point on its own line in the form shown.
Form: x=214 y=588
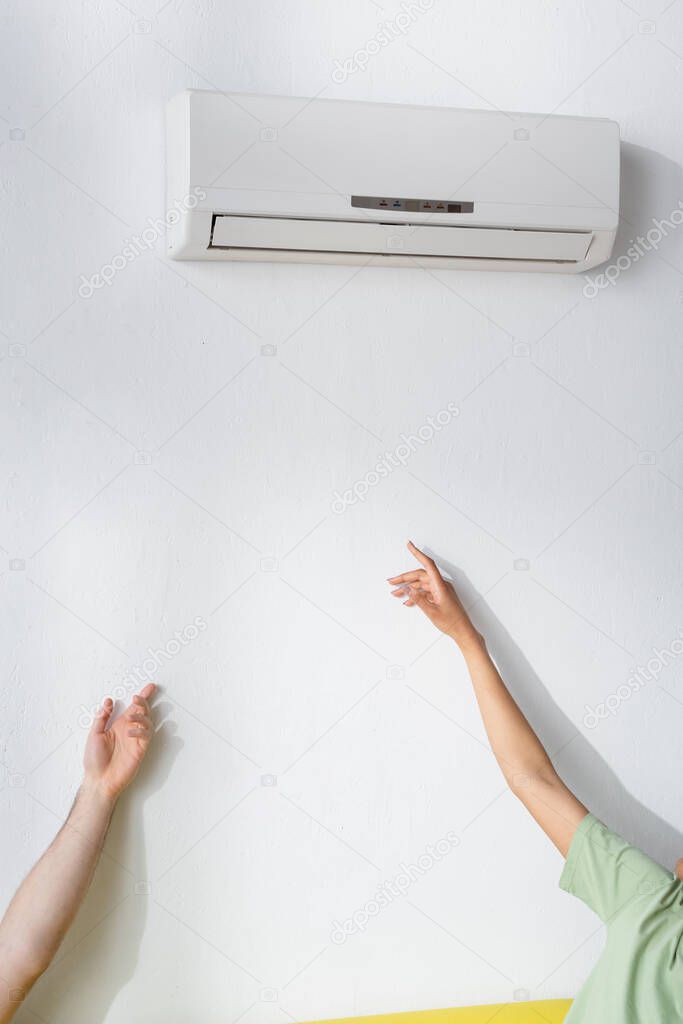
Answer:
x=270 y=178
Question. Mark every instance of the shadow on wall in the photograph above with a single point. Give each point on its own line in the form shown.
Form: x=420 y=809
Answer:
x=84 y=982
x=651 y=189
x=581 y=767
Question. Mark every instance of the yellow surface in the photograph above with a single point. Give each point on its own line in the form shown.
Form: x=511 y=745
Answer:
x=552 y=1011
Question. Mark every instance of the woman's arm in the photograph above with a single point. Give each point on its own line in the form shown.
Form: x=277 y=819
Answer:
x=46 y=903
x=523 y=760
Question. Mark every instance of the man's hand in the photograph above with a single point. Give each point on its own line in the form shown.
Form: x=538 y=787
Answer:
x=113 y=755
x=427 y=589
x=47 y=900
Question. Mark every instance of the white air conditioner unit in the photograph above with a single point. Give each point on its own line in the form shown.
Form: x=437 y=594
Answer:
x=331 y=181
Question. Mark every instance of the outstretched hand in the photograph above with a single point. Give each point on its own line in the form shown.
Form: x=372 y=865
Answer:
x=115 y=750
x=428 y=590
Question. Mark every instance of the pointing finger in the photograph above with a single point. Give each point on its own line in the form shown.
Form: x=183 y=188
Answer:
x=429 y=563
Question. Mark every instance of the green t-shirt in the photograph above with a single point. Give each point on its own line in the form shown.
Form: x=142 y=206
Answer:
x=639 y=976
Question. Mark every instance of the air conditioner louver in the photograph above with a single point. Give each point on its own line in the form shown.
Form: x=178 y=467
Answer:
x=348 y=238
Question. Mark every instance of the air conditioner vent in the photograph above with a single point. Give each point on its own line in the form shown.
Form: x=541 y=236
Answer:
x=347 y=238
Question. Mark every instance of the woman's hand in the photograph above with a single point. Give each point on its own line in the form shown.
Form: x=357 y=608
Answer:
x=427 y=589
x=113 y=755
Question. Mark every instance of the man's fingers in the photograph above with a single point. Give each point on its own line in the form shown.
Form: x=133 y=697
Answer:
x=142 y=698
x=147 y=692
x=408 y=577
x=140 y=719
x=139 y=733
x=103 y=716
x=139 y=725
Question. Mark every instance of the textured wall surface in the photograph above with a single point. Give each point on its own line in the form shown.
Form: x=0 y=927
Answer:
x=171 y=447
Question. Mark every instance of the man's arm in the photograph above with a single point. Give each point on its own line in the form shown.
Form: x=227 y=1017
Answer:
x=47 y=901
x=523 y=760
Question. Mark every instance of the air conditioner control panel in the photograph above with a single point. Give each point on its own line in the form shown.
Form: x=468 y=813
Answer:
x=411 y=205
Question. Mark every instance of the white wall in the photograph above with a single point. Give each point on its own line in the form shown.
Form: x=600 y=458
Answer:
x=218 y=893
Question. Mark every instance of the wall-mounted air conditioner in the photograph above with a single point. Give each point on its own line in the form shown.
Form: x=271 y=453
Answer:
x=331 y=181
